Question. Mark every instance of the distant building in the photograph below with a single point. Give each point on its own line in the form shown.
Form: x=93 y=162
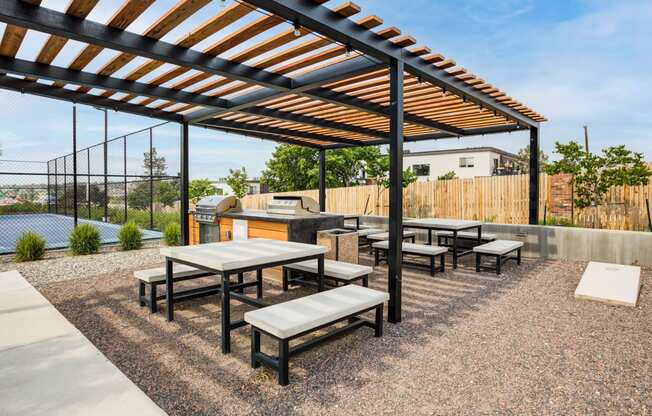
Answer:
x=255 y=187
x=466 y=163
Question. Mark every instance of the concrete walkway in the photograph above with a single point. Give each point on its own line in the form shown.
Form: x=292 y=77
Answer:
x=47 y=367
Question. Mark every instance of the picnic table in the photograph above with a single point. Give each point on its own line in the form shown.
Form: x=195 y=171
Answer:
x=229 y=258
x=447 y=224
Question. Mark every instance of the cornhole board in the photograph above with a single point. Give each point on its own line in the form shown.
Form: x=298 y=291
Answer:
x=614 y=284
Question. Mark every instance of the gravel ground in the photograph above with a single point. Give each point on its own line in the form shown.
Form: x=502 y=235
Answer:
x=60 y=265
x=469 y=344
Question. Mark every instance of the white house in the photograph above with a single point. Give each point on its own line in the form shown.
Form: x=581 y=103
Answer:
x=255 y=187
x=466 y=163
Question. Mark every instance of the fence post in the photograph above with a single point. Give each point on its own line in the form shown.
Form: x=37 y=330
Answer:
x=49 y=200
x=124 y=159
x=106 y=165
x=88 y=182
x=151 y=181
x=74 y=165
x=56 y=186
x=65 y=185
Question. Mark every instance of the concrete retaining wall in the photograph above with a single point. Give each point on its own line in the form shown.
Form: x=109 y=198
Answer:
x=566 y=243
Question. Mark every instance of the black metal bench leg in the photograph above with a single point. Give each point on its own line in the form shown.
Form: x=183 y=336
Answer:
x=365 y=281
x=477 y=262
x=283 y=362
x=378 y=328
x=499 y=260
x=141 y=293
x=518 y=256
x=285 y=274
x=442 y=262
x=153 y=308
x=241 y=280
x=432 y=265
x=255 y=347
x=226 y=314
x=376 y=257
x=259 y=283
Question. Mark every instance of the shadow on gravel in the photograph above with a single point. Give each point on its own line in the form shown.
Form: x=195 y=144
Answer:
x=180 y=367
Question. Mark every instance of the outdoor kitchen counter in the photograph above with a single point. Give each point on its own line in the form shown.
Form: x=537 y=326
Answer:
x=298 y=228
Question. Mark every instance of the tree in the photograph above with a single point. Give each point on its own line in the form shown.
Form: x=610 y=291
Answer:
x=96 y=196
x=138 y=196
x=593 y=175
x=447 y=176
x=296 y=168
x=524 y=156
x=378 y=169
x=166 y=193
x=156 y=164
x=237 y=180
x=200 y=188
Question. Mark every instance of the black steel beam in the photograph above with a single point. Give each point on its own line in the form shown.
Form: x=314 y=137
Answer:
x=49 y=21
x=67 y=76
x=264 y=136
x=236 y=125
x=324 y=21
x=35 y=88
x=395 y=255
x=322 y=180
x=534 y=176
x=184 y=183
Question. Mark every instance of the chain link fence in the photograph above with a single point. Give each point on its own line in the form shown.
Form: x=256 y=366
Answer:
x=134 y=177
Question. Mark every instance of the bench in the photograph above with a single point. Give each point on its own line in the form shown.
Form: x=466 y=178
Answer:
x=364 y=233
x=407 y=235
x=465 y=239
x=156 y=277
x=419 y=250
x=287 y=321
x=338 y=271
x=500 y=249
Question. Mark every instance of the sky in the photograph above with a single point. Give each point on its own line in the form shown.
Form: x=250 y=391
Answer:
x=577 y=62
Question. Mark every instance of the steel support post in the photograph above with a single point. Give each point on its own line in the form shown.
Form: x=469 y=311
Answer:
x=184 y=183
x=534 y=175
x=322 y=180
x=106 y=165
x=74 y=164
x=124 y=171
x=395 y=256
x=151 y=181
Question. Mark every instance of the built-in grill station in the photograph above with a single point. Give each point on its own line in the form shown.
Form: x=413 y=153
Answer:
x=292 y=218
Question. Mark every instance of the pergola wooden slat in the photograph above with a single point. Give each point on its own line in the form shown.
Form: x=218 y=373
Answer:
x=325 y=80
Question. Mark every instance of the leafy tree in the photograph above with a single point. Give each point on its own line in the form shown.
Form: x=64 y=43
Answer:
x=447 y=176
x=166 y=193
x=378 y=169
x=138 y=196
x=296 y=168
x=96 y=195
x=593 y=175
x=199 y=188
x=524 y=156
x=156 y=164
x=237 y=180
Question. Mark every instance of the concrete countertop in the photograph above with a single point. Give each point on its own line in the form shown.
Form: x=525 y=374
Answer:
x=251 y=214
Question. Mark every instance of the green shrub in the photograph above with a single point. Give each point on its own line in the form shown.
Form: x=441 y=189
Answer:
x=84 y=239
x=130 y=236
x=172 y=235
x=29 y=247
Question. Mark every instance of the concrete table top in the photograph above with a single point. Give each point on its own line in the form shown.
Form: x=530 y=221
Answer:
x=232 y=255
x=616 y=284
x=442 y=223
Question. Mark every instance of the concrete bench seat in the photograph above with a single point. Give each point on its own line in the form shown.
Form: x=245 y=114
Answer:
x=289 y=320
x=500 y=249
x=407 y=235
x=468 y=235
x=364 y=232
x=156 y=277
x=338 y=271
x=420 y=250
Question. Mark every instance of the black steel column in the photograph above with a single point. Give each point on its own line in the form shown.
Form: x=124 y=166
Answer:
x=74 y=164
x=88 y=182
x=322 y=180
x=106 y=165
x=49 y=197
x=151 y=182
x=534 y=175
x=184 y=176
x=395 y=256
x=124 y=171
x=56 y=187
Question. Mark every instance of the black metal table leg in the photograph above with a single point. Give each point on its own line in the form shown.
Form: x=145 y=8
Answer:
x=283 y=362
x=226 y=314
x=429 y=236
x=255 y=347
x=240 y=280
x=169 y=289
x=454 y=249
x=259 y=284
x=320 y=273
x=479 y=240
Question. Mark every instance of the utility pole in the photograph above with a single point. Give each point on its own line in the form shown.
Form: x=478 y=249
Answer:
x=586 y=139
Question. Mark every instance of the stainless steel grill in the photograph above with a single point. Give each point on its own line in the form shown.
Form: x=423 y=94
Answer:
x=292 y=205
x=210 y=207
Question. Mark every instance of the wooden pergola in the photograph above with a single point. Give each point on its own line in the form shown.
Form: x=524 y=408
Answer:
x=292 y=71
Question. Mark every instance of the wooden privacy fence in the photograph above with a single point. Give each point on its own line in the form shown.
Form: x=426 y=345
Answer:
x=499 y=199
